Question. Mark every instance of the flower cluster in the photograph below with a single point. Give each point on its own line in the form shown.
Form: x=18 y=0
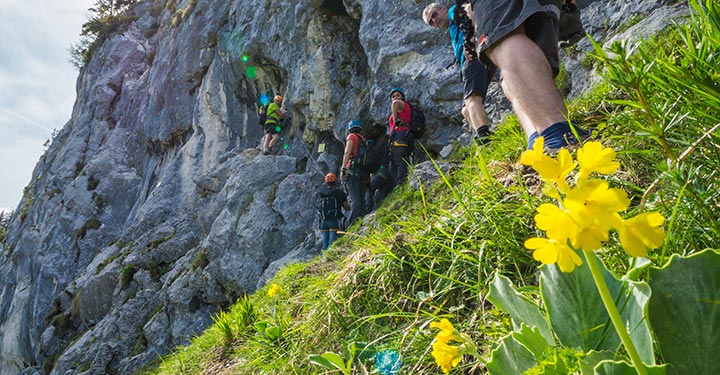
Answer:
x=586 y=212
x=448 y=356
x=274 y=289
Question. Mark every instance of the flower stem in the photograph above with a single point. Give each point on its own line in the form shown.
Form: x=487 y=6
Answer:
x=613 y=312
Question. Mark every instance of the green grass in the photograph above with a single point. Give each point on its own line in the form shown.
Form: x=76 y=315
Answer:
x=432 y=253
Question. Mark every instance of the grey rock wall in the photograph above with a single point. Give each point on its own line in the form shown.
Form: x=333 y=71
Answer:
x=153 y=207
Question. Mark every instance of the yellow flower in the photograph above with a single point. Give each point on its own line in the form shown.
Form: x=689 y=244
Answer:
x=555 y=221
x=274 y=289
x=641 y=232
x=556 y=171
x=595 y=208
x=447 y=331
x=446 y=356
x=593 y=157
x=549 y=251
x=530 y=157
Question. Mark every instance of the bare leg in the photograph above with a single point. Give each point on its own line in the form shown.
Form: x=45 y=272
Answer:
x=274 y=139
x=474 y=111
x=528 y=82
x=266 y=142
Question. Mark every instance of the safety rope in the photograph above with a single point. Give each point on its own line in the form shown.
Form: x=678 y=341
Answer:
x=467 y=29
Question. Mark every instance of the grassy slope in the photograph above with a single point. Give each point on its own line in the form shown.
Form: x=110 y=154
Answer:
x=430 y=254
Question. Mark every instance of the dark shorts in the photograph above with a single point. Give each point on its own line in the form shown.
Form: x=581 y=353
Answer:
x=496 y=19
x=476 y=78
x=329 y=224
x=271 y=128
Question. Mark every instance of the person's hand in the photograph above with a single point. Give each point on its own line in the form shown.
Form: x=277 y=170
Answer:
x=343 y=174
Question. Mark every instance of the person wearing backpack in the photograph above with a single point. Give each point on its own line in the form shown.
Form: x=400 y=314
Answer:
x=331 y=200
x=356 y=178
x=381 y=184
x=474 y=75
x=402 y=140
x=272 y=124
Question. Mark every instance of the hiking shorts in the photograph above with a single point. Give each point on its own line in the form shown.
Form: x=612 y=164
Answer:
x=495 y=19
x=330 y=224
x=271 y=128
x=476 y=78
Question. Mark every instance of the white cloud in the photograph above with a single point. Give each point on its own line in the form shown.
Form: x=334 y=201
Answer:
x=37 y=83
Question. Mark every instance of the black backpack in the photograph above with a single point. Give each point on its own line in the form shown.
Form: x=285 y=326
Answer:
x=367 y=159
x=417 y=120
x=328 y=206
x=262 y=114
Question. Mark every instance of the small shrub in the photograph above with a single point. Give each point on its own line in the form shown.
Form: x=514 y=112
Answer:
x=126 y=276
x=200 y=260
x=92 y=183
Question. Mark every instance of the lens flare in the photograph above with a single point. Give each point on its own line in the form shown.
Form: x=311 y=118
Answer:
x=264 y=99
x=245 y=58
x=251 y=72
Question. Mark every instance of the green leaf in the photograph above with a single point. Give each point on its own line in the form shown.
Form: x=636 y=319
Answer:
x=321 y=361
x=260 y=326
x=532 y=340
x=587 y=364
x=510 y=357
x=579 y=318
x=684 y=312
x=273 y=332
x=624 y=368
x=336 y=361
x=521 y=309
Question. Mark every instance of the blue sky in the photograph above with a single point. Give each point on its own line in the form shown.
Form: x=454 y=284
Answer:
x=37 y=83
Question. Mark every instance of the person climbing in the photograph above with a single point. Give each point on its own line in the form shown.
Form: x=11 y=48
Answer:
x=402 y=141
x=520 y=38
x=356 y=180
x=272 y=124
x=381 y=184
x=331 y=200
x=474 y=75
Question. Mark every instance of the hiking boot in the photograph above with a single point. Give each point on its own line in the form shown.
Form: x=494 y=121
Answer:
x=571 y=40
x=483 y=135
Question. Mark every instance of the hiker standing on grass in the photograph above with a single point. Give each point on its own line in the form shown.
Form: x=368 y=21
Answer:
x=331 y=200
x=356 y=180
x=520 y=38
x=402 y=141
x=272 y=124
x=474 y=75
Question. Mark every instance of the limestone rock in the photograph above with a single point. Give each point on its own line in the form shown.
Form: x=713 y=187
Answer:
x=153 y=208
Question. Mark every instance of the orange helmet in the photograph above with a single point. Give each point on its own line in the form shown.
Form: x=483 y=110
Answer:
x=278 y=98
x=330 y=177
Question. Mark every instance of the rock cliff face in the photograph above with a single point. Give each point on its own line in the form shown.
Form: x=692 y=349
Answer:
x=153 y=208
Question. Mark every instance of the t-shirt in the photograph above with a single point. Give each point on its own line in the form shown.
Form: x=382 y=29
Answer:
x=404 y=115
x=456 y=36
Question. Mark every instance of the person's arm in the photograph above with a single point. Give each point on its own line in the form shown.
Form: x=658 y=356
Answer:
x=283 y=114
x=397 y=107
x=348 y=152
